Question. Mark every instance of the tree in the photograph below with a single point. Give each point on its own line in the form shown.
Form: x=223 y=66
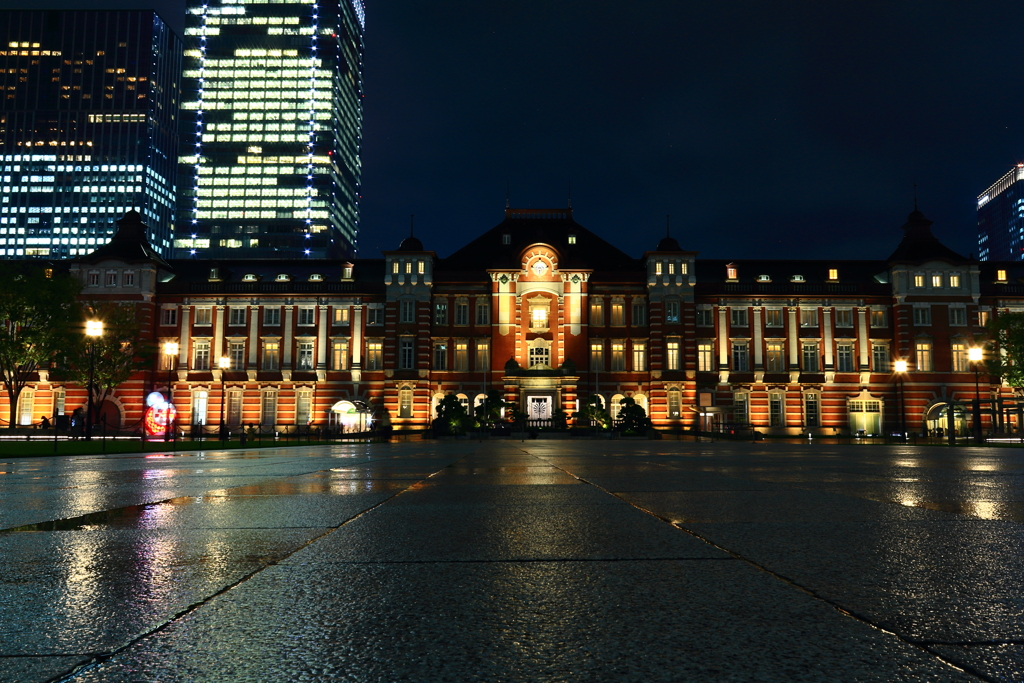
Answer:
x=38 y=312
x=492 y=407
x=116 y=355
x=451 y=415
x=1006 y=349
x=594 y=414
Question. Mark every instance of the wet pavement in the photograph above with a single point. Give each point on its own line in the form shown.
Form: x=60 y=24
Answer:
x=509 y=561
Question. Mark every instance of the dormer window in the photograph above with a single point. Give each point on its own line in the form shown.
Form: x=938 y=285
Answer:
x=1000 y=275
x=796 y=278
x=283 y=277
x=833 y=273
x=506 y=238
x=316 y=277
x=764 y=278
x=731 y=273
x=346 y=272
x=250 y=277
x=572 y=239
x=214 y=274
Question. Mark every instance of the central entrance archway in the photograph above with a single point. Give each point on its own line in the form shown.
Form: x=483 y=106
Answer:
x=936 y=419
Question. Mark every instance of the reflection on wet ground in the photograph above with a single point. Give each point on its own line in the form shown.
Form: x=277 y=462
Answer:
x=504 y=561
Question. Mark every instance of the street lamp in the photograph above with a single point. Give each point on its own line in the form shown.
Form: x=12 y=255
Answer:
x=171 y=351
x=900 y=367
x=93 y=330
x=974 y=355
x=224 y=364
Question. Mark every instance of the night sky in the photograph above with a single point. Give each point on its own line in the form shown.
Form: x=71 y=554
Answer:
x=766 y=129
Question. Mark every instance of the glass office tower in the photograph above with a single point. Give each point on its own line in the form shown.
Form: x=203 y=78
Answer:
x=88 y=128
x=1001 y=218
x=272 y=121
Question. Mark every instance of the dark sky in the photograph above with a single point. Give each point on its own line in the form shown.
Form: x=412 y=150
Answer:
x=766 y=129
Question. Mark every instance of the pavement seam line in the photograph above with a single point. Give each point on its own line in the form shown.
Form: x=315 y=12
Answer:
x=99 y=659
x=918 y=644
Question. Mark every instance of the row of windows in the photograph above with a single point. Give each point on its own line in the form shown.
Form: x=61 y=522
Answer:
x=306 y=316
x=268 y=407
x=616 y=352
x=340 y=359
x=844 y=317
x=775 y=359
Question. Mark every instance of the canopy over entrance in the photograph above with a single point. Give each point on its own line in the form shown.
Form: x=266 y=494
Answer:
x=350 y=416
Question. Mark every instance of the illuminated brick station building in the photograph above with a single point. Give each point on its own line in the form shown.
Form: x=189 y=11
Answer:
x=552 y=315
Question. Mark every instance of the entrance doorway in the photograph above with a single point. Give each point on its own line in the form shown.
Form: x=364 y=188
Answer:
x=937 y=419
x=539 y=407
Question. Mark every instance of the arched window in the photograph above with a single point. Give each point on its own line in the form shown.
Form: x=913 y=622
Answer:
x=26 y=403
x=464 y=400
x=674 y=404
x=616 y=406
x=200 y=400
x=478 y=404
x=405 y=402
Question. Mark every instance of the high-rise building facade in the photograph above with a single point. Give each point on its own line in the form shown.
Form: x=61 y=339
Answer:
x=272 y=128
x=1001 y=218
x=88 y=128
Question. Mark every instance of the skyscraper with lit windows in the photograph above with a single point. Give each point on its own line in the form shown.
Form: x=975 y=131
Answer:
x=88 y=128
x=272 y=128
x=1001 y=218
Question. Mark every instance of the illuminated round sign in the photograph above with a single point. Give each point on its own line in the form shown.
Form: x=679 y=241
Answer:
x=158 y=417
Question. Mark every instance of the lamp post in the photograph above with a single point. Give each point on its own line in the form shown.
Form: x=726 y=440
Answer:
x=974 y=355
x=224 y=364
x=900 y=367
x=171 y=351
x=93 y=330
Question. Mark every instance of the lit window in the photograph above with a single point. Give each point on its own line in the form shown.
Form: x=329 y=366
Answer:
x=341 y=315
x=597 y=356
x=1001 y=275
x=375 y=355
x=339 y=354
x=204 y=316
x=618 y=356
x=954 y=281
x=833 y=273
x=572 y=239
x=924 y=355
x=483 y=354
x=936 y=280
x=730 y=272
x=959 y=352
x=657 y=267
x=618 y=317
x=879 y=318
x=271 y=355
x=705 y=355
x=672 y=355
x=919 y=280
x=596 y=312
x=639 y=357
x=775 y=358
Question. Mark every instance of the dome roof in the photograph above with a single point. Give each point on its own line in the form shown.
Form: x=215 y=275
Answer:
x=411 y=244
x=669 y=244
